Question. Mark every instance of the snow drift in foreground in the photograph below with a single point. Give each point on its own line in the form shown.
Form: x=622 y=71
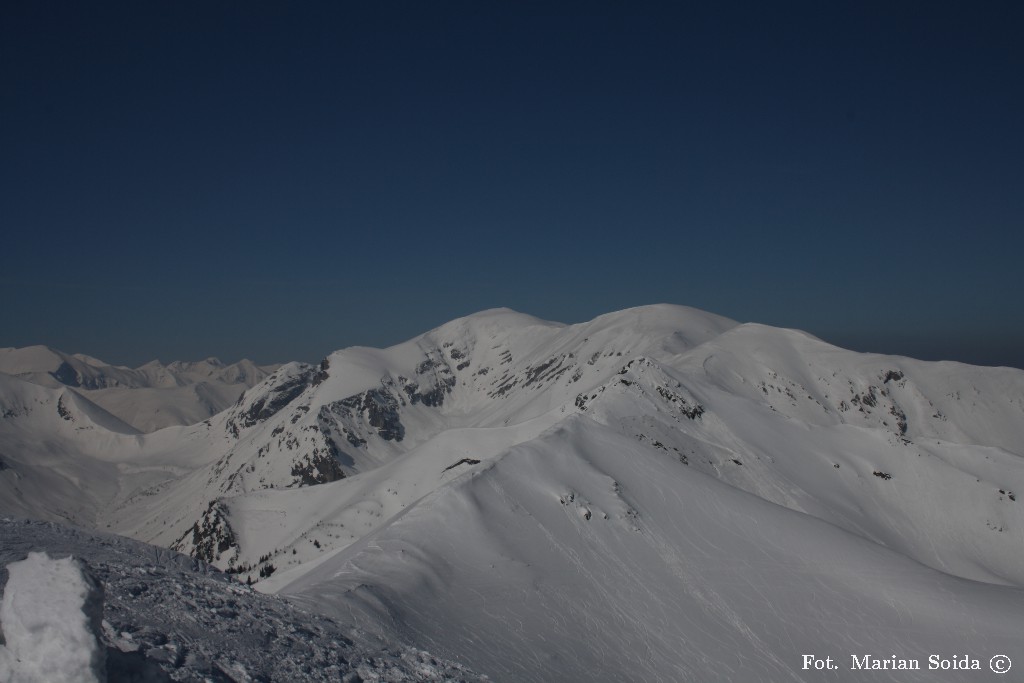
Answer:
x=167 y=617
x=50 y=617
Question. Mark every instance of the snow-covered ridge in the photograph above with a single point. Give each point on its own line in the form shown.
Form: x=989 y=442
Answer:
x=167 y=617
x=149 y=397
x=535 y=450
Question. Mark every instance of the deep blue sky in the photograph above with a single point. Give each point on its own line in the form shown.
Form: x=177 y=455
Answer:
x=279 y=180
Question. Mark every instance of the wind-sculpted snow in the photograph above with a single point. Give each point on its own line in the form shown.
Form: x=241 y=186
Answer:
x=167 y=617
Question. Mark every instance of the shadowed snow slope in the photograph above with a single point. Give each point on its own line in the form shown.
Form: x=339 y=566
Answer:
x=657 y=494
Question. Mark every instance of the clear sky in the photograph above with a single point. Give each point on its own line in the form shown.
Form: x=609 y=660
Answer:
x=279 y=180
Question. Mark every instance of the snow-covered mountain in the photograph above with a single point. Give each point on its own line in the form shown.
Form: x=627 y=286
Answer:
x=657 y=494
x=149 y=397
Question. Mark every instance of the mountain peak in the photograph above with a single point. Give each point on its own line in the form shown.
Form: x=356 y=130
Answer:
x=675 y=464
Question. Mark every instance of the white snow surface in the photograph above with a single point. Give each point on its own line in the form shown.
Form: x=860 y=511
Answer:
x=657 y=494
x=50 y=616
x=149 y=397
x=167 y=617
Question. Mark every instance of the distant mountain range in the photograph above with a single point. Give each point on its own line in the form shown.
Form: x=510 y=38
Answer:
x=658 y=494
x=161 y=395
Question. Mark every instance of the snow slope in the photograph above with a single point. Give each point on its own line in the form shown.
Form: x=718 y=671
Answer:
x=581 y=556
x=149 y=397
x=167 y=617
x=52 y=448
x=657 y=494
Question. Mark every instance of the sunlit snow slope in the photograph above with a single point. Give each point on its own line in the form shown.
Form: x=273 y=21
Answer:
x=149 y=397
x=658 y=494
